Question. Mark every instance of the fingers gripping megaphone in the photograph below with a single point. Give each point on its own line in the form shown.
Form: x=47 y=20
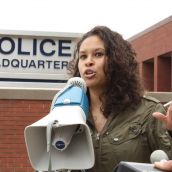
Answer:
x=62 y=139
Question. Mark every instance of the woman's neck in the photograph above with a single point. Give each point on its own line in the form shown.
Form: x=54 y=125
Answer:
x=95 y=110
x=95 y=98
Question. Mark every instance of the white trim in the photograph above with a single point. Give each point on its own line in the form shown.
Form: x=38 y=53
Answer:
x=155 y=26
x=40 y=33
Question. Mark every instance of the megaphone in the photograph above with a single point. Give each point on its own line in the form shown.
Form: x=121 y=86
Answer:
x=62 y=139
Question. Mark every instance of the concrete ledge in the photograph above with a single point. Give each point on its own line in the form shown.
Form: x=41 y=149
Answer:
x=161 y=96
x=28 y=93
x=49 y=93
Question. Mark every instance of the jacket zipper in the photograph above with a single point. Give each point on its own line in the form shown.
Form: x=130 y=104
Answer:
x=97 y=136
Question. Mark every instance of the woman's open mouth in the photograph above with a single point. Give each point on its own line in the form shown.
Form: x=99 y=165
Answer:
x=89 y=73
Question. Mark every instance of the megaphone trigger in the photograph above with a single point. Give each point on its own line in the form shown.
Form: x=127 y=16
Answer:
x=49 y=133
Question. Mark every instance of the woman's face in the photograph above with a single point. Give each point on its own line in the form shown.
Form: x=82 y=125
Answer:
x=91 y=63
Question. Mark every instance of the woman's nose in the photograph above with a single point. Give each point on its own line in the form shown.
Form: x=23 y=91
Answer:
x=89 y=61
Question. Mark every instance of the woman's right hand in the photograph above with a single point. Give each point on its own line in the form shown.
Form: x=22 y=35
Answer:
x=164 y=165
x=167 y=119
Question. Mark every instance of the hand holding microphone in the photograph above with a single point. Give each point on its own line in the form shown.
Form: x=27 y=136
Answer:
x=164 y=165
x=161 y=161
x=158 y=156
x=158 y=159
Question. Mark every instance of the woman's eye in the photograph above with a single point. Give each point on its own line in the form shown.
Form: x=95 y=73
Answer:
x=99 y=54
x=82 y=56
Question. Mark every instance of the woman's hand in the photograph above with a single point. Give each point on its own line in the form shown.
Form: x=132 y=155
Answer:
x=167 y=119
x=164 y=165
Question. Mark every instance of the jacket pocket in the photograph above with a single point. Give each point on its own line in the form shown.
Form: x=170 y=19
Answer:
x=125 y=134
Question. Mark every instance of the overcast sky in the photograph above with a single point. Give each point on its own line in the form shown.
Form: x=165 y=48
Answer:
x=128 y=17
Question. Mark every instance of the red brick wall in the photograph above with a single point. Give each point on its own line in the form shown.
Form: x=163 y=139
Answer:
x=15 y=115
x=155 y=47
x=154 y=43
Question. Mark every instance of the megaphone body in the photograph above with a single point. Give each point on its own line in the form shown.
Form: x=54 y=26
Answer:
x=70 y=140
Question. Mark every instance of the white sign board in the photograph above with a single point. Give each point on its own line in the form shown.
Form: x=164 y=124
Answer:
x=35 y=57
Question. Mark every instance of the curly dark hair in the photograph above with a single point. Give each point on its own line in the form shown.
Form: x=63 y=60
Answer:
x=124 y=86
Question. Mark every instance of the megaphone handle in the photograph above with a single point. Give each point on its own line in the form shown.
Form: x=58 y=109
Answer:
x=49 y=132
x=49 y=163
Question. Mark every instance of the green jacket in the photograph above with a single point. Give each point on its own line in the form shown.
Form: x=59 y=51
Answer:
x=130 y=136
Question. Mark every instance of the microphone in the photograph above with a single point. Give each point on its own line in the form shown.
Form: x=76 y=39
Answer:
x=73 y=94
x=158 y=156
x=79 y=82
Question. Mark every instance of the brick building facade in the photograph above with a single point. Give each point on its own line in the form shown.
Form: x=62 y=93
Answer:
x=154 y=52
x=15 y=115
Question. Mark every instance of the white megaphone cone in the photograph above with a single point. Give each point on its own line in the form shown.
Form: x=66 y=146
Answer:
x=62 y=139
